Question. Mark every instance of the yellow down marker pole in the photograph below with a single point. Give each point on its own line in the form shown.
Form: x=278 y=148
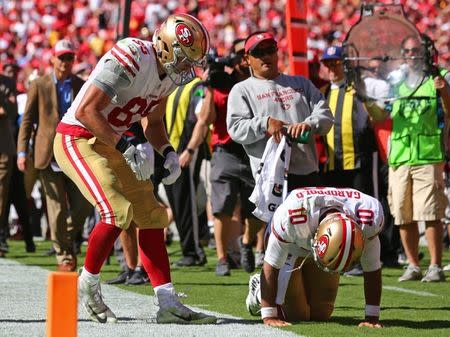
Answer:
x=62 y=304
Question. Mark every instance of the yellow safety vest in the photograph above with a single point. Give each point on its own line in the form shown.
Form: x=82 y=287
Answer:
x=341 y=141
x=176 y=111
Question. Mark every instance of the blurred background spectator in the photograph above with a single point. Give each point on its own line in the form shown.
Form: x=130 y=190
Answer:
x=29 y=29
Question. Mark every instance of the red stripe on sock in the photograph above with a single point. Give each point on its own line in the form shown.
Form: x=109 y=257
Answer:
x=155 y=260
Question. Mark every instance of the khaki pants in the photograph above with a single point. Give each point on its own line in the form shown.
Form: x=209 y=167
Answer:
x=67 y=211
x=416 y=193
x=30 y=176
x=311 y=293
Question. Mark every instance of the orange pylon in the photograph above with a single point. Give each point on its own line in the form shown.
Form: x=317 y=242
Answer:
x=62 y=305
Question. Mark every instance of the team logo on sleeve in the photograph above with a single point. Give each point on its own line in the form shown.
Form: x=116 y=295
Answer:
x=322 y=245
x=184 y=35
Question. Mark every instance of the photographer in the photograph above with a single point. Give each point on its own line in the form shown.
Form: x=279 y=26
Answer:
x=416 y=155
x=230 y=168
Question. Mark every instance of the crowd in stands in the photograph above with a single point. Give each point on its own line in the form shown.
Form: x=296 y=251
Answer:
x=29 y=29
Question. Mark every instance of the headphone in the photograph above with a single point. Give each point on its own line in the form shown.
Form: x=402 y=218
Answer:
x=431 y=55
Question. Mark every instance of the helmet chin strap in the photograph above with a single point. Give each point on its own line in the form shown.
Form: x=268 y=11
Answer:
x=180 y=78
x=301 y=264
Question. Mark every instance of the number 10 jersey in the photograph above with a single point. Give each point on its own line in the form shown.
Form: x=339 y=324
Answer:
x=296 y=220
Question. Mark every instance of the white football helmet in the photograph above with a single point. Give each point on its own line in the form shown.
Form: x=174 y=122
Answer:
x=253 y=300
x=181 y=43
x=338 y=243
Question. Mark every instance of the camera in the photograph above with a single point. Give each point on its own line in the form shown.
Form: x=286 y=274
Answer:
x=218 y=78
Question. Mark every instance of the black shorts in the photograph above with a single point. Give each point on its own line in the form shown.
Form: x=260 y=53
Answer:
x=231 y=177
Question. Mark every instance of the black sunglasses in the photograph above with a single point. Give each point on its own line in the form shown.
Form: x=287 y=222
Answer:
x=332 y=63
x=414 y=50
x=261 y=52
x=67 y=57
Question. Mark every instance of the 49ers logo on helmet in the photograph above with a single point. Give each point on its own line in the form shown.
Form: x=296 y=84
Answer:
x=322 y=245
x=184 y=35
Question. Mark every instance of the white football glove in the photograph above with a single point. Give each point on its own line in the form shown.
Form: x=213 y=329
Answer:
x=139 y=162
x=172 y=165
x=147 y=148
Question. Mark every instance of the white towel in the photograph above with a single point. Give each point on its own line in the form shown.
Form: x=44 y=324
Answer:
x=271 y=179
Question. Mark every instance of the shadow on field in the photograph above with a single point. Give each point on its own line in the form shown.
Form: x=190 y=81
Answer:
x=20 y=321
x=43 y=265
x=415 y=308
x=21 y=256
x=23 y=264
x=223 y=321
x=211 y=284
x=122 y=319
x=422 y=325
x=397 y=275
x=126 y=319
x=387 y=308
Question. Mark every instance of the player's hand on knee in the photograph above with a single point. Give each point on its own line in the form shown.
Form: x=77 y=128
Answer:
x=171 y=165
x=274 y=321
x=139 y=162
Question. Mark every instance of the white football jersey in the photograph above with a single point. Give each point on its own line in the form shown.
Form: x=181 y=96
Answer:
x=296 y=220
x=134 y=85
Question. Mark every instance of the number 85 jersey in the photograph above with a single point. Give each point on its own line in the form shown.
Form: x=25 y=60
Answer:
x=296 y=220
x=128 y=73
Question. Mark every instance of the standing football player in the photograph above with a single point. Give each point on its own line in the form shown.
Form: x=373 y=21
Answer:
x=130 y=83
x=314 y=235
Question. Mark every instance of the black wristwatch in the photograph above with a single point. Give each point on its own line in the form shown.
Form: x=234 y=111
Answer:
x=190 y=151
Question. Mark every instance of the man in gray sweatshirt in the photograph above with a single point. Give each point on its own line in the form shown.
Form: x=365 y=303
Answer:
x=269 y=104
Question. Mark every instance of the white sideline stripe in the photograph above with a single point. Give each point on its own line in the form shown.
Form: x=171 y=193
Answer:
x=414 y=292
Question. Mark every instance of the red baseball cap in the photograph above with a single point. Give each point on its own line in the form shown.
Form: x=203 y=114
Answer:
x=63 y=47
x=256 y=39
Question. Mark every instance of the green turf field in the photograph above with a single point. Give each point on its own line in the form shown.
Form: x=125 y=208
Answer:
x=422 y=311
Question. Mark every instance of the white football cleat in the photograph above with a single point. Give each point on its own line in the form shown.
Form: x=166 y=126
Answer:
x=91 y=299
x=253 y=300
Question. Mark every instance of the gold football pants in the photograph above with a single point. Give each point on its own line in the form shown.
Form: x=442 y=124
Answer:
x=105 y=179
x=311 y=292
